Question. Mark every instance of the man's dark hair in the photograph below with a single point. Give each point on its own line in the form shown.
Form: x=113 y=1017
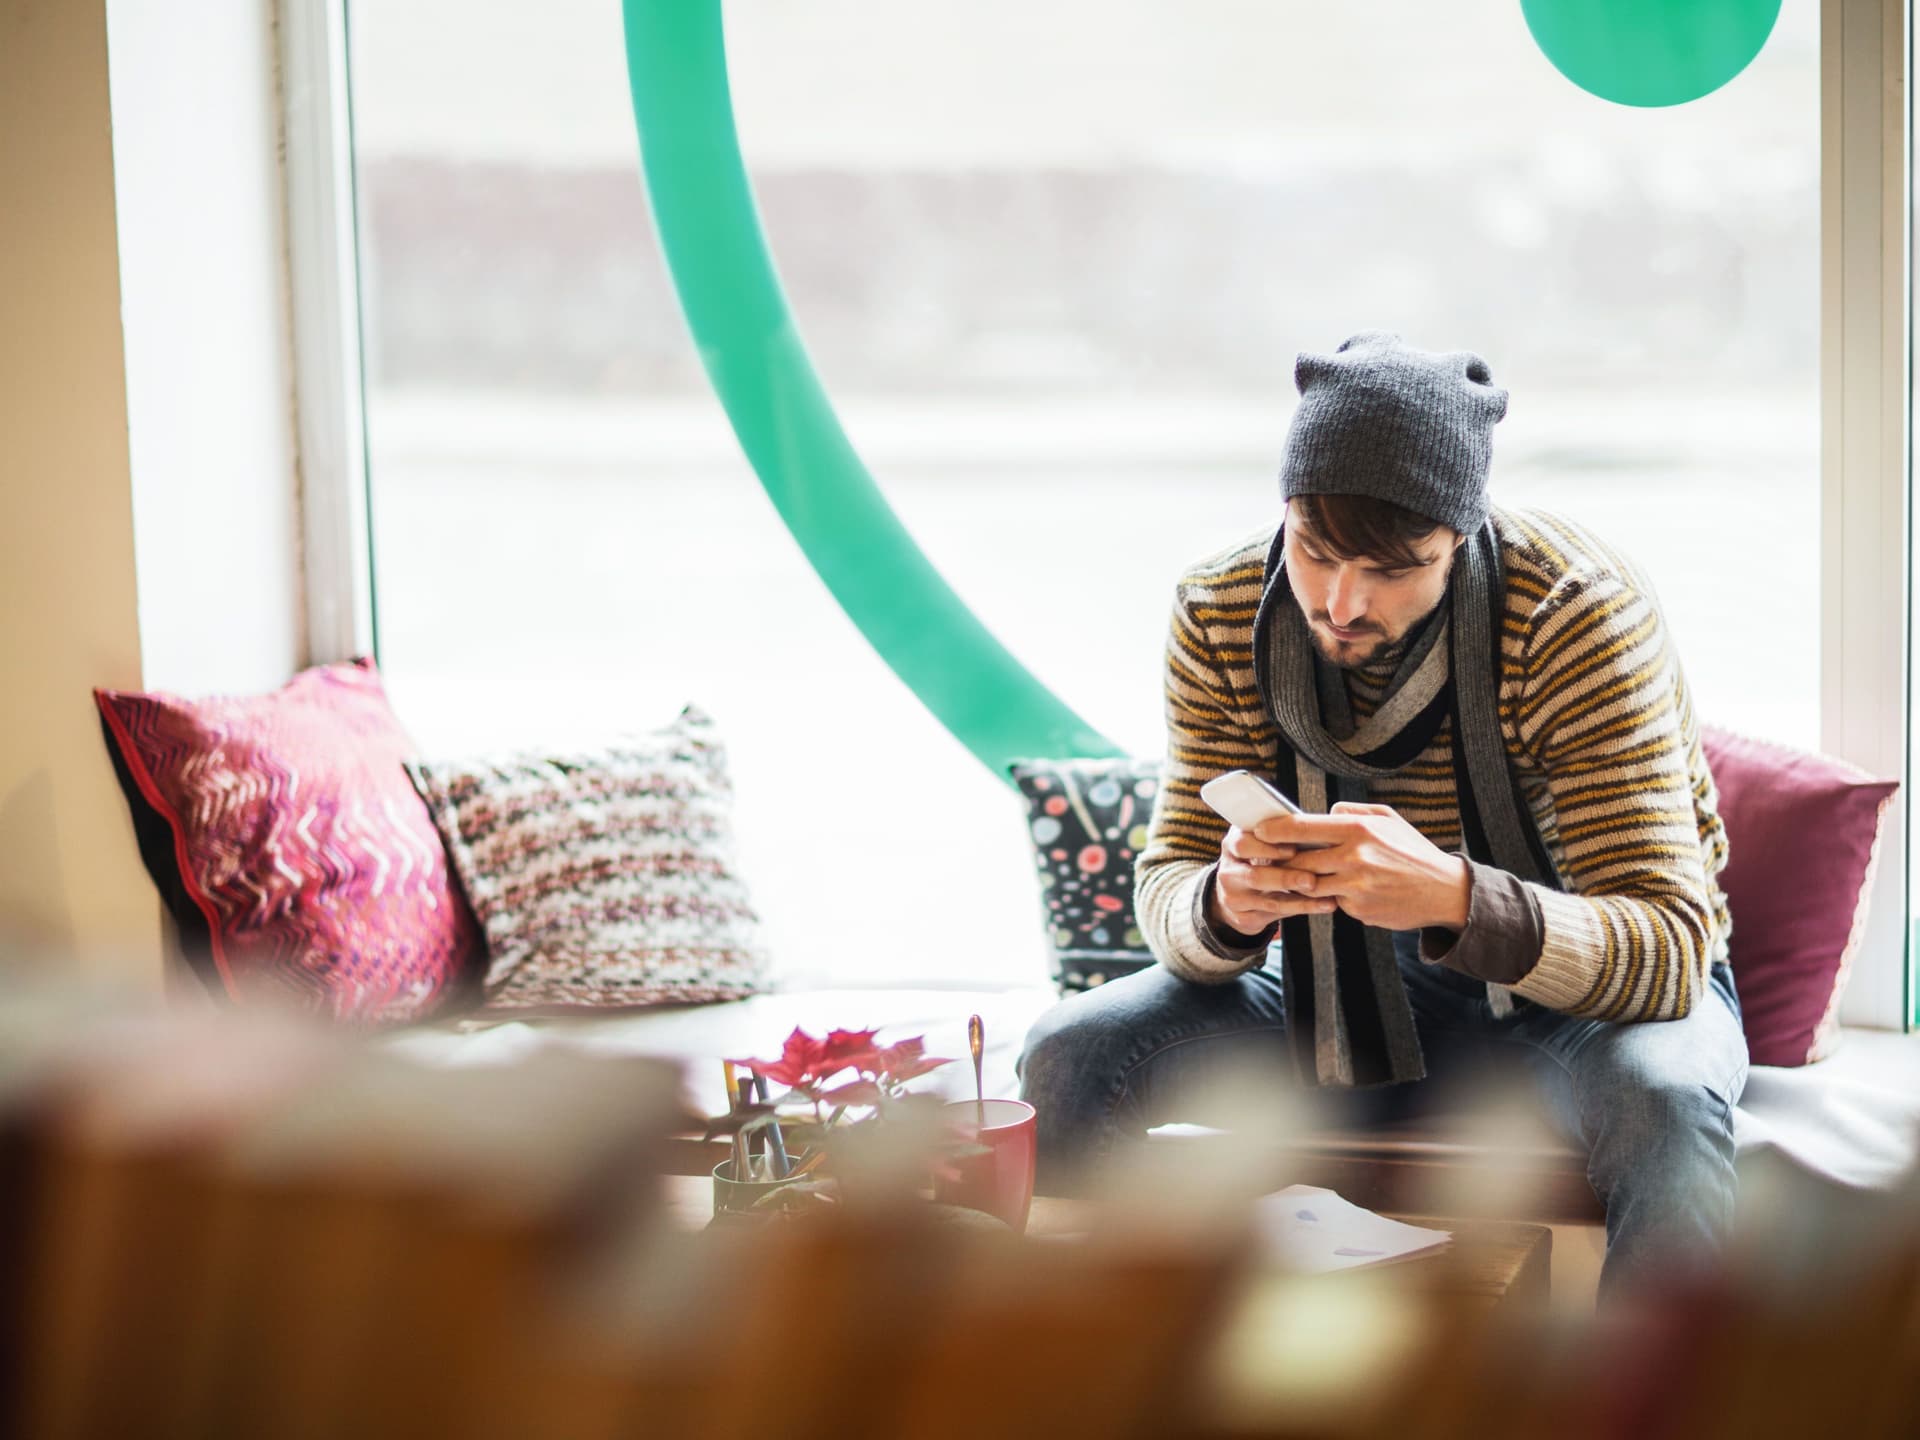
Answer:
x=1359 y=527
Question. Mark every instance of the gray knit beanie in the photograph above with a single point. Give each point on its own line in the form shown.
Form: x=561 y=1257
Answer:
x=1408 y=426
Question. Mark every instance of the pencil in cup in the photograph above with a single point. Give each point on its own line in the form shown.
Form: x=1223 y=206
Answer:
x=776 y=1142
x=735 y=1098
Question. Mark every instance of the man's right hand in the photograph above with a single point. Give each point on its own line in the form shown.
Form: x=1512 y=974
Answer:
x=1247 y=893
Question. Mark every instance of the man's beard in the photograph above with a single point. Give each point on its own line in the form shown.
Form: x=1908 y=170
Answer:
x=1384 y=651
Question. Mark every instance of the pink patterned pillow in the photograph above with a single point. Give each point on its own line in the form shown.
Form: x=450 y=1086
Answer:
x=292 y=849
x=1803 y=839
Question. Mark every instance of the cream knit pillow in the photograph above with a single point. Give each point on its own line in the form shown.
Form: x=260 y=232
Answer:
x=602 y=878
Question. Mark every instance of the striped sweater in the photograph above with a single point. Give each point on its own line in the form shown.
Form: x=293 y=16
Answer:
x=1596 y=718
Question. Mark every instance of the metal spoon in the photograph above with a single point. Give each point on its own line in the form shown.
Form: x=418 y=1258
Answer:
x=977 y=1042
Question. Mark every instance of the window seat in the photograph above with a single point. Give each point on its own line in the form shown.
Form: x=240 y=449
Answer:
x=1851 y=1118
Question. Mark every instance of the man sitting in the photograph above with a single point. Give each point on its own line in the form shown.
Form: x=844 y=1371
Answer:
x=1515 y=829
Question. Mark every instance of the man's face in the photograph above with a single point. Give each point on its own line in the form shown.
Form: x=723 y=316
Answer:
x=1362 y=610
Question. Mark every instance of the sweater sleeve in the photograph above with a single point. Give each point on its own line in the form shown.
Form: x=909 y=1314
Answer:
x=1503 y=936
x=1599 y=715
x=1175 y=870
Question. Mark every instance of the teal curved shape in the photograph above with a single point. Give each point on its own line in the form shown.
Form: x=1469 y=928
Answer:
x=710 y=232
x=1650 y=52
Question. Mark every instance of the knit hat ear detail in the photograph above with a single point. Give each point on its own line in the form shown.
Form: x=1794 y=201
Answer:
x=1368 y=340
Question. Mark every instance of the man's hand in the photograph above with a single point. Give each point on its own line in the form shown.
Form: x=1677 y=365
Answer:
x=1248 y=894
x=1376 y=866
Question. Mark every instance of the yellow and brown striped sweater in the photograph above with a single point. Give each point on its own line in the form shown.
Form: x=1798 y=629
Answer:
x=1596 y=717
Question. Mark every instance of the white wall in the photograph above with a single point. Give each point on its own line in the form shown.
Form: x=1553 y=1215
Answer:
x=204 y=313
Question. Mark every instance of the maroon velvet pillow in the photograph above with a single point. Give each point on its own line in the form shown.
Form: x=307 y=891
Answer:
x=292 y=849
x=1803 y=839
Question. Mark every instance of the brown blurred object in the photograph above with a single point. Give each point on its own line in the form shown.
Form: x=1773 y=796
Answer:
x=901 y=1321
x=231 y=1226
x=216 y=1226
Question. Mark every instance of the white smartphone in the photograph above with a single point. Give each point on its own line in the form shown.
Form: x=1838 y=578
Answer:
x=1242 y=798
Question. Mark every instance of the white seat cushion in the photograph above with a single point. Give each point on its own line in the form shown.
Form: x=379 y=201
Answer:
x=1852 y=1117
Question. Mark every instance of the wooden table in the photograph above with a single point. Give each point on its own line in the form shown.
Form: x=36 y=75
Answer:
x=1496 y=1261
x=1389 y=1169
x=1502 y=1261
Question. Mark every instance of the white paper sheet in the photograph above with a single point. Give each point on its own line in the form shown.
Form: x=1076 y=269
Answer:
x=1313 y=1230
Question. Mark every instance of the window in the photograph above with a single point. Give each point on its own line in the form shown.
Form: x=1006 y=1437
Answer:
x=1053 y=263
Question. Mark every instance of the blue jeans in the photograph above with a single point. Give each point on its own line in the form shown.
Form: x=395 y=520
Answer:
x=1650 y=1103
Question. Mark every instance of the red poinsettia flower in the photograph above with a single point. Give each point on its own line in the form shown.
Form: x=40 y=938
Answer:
x=855 y=1092
x=797 y=1062
x=805 y=1064
x=848 y=1049
x=908 y=1060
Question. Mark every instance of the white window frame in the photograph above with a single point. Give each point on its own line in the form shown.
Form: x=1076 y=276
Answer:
x=1866 y=322
x=1864 y=367
x=330 y=456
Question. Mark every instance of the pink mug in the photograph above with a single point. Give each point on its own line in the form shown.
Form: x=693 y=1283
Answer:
x=1000 y=1182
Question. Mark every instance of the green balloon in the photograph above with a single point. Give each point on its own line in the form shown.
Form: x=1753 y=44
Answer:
x=1650 y=52
x=717 y=253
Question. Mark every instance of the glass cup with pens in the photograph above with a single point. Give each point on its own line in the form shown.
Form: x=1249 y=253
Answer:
x=759 y=1163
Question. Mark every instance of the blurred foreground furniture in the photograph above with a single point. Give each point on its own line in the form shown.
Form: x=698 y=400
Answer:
x=215 y=1227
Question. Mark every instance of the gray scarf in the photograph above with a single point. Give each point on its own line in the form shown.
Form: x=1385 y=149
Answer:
x=1347 y=1014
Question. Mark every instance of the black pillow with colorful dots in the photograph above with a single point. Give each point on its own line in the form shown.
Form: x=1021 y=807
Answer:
x=1088 y=821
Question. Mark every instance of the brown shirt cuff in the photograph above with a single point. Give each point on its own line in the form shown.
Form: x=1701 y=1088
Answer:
x=1504 y=933
x=1223 y=940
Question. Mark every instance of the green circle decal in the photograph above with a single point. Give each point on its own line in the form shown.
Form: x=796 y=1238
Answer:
x=1650 y=52
x=717 y=253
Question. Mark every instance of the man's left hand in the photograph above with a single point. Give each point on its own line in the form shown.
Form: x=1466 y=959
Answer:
x=1376 y=866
